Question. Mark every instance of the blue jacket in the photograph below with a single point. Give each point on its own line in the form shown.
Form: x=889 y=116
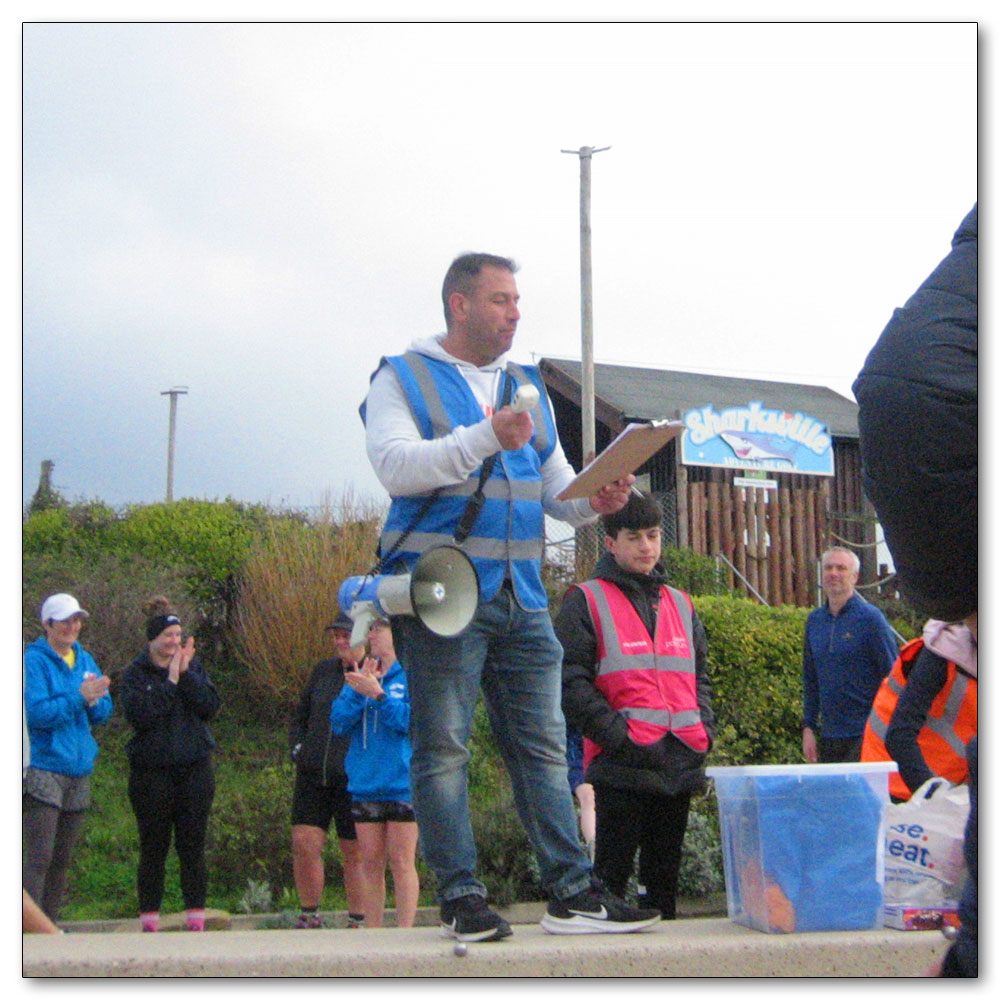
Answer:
x=508 y=535
x=378 y=759
x=844 y=659
x=59 y=719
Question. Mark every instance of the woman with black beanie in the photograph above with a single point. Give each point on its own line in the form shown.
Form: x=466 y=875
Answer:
x=168 y=699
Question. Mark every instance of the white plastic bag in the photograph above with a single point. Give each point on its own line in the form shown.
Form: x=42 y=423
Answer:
x=923 y=845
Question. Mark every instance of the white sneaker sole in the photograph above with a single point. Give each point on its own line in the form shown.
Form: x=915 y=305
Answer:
x=587 y=925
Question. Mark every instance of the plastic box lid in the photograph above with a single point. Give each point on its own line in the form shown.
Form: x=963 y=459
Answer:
x=790 y=770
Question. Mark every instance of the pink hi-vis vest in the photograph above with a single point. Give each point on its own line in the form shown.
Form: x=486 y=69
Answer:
x=652 y=683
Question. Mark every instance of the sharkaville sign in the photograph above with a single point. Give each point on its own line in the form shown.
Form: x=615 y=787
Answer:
x=752 y=437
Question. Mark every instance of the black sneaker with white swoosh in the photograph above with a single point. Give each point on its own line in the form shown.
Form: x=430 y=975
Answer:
x=596 y=911
x=468 y=918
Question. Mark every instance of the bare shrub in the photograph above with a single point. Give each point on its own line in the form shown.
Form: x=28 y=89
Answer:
x=287 y=590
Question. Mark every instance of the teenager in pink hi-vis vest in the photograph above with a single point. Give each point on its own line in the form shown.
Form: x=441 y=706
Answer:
x=636 y=685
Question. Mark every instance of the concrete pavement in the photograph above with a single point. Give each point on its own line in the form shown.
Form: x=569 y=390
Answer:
x=710 y=947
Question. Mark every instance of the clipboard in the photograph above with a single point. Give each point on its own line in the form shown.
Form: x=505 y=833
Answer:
x=633 y=446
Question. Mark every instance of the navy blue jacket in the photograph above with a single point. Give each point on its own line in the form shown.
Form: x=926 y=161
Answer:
x=844 y=659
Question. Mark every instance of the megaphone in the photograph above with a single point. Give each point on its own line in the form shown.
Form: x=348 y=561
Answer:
x=441 y=591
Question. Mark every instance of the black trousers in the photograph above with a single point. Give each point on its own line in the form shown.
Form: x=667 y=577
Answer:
x=652 y=824
x=172 y=802
x=839 y=750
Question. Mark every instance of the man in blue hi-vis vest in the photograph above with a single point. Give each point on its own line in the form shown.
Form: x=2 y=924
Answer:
x=433 y=416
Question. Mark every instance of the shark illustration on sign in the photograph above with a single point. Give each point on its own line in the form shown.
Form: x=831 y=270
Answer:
x=756 y=447
x=756 y=437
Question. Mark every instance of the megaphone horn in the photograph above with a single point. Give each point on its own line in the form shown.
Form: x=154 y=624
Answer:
x=441 y=591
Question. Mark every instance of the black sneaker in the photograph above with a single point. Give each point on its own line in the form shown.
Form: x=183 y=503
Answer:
x=468 y=918
x=596 y=911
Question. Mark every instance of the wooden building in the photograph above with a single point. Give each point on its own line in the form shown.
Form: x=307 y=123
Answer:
x=770 y=535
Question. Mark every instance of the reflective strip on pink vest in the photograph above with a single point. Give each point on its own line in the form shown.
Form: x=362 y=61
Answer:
x=651 y=683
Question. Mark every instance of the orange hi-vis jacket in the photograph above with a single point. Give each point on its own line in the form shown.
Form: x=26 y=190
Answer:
x=951 y=721
x=651 y=682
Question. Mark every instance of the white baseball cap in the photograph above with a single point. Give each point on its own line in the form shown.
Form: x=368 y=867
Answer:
x=59 y=607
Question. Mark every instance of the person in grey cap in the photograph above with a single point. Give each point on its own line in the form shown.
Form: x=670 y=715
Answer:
x=65 y=694
x=320 y=795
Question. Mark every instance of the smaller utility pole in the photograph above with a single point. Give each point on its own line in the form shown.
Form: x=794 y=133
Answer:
x=177 y=390
x=589 y=427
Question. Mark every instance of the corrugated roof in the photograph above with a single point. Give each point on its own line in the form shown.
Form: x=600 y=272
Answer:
x=643 y=394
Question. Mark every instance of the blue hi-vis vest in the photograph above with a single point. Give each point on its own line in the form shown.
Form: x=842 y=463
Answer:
x=508 y=536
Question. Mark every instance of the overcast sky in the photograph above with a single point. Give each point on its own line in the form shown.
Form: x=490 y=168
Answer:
x=259 y=211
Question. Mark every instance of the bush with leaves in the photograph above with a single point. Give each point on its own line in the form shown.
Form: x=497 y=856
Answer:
x=755 y=665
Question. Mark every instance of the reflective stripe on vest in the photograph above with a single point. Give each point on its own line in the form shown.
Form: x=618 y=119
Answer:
x=507 y=538
x=651 y=682
x=951 y=722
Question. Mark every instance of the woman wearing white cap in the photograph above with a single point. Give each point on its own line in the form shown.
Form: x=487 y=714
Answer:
x=65 y=694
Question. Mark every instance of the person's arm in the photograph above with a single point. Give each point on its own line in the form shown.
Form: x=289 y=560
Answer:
x=45 y=708
x=298 y=725
x=146 y=697
x=197 y=691
x=394 y=711
x=404 y=462
x=928 y=675
x=810 y=701
x=345 y=710
x=585 y=707
x=702 y=680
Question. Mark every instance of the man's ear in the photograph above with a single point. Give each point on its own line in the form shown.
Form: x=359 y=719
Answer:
x=609 y=543
x=457 y=304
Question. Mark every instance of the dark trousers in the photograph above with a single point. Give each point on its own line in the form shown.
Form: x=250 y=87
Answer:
x=172 y=802
x=652 y=824
x=49 y=837
x=839 y=750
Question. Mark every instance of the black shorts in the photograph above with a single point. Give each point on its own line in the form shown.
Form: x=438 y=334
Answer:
x=382 y=812
x=315 y=804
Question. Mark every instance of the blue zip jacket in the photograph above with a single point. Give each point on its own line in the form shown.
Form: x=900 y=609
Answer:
x=59 y=719
x=844 y=659
x=378 y=759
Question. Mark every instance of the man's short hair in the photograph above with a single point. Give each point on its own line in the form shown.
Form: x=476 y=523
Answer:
x=640 y=512
x=462 y=274
x=853 y=556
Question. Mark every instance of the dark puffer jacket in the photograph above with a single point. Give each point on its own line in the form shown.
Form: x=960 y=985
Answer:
x=667 y=767
x=319 y=751
x=918 y=419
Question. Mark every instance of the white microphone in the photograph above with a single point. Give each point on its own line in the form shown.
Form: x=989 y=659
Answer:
x=526 y=398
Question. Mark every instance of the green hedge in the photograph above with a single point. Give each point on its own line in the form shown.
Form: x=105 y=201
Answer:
x=755 y=665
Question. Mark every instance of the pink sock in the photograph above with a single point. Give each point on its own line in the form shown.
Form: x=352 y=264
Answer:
x=195 y=920
x=149 y=921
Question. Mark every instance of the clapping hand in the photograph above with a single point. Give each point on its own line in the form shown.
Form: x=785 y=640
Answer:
x=94 y=687
x=364 y=679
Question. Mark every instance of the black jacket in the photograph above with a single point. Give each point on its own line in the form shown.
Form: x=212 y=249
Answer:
x=667 y=767
x=918 y=411
x=319 y=751
x=170 y=720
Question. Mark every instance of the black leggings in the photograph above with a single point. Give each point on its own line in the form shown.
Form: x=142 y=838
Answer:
x=171 y=801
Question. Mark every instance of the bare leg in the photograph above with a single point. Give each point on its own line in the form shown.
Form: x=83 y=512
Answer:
x=307 y=863
x=371 y=845
x=401 y=847
x=354 y=876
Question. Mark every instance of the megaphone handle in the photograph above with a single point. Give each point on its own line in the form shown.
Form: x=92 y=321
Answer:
x=362 y=622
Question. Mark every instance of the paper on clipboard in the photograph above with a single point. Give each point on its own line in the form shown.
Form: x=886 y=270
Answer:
x=624 y=455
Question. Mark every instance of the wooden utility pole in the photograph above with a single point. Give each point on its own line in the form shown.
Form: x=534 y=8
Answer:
x=177 y=390
x=588 y=428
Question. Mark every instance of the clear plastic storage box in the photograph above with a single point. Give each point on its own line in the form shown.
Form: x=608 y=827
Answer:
x=803 y=844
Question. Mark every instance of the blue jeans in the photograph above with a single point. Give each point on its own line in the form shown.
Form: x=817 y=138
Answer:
x=516 y=659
